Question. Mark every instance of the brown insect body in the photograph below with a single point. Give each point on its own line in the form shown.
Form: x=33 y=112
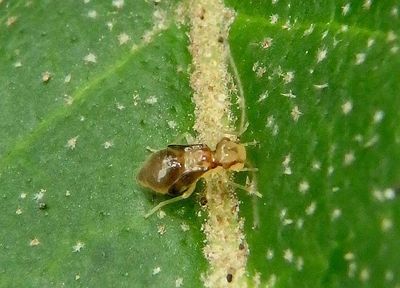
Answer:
x=176 y=169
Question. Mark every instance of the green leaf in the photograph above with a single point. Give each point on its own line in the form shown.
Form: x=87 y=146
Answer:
x=330 y=211
x=88 y=186
x=118 y=81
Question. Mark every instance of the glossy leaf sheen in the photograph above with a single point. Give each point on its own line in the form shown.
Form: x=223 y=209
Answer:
x=303 y=239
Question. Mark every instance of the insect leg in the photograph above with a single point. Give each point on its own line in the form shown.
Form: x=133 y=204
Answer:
x=185 y=137
x=243 y=124
x=251 y=189
x=172 y=200
x=248 y=169
x=152 y=150
x=252 y=143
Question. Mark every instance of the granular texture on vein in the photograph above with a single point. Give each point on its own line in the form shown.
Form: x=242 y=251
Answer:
x=226 y=248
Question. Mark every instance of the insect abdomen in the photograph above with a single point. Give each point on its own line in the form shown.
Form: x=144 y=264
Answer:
x=161 y=171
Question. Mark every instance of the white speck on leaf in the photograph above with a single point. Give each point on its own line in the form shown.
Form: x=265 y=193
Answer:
x=371 y=142
x=321 y=54
x=67 y=78
x=344 y=28
x=156 y=270
x=273 y=19
x=349 y=256
x=39 y=195
x=391 y=36
x=286 y=222
x=394 y=49
x=389 y=275
x=287 y=26
x=320 y=86
x=263 y=96
x=108 y=144
x=78 y=247
x=178 y=282
x=303 y=187
x=288 y=77
x=386 y=224
x=389 y=194
x=360 y=58
x=90 y=58
x=299 y=223
x=46 y=76
x=185 y=227
x=68 y=100
x=299 y=263
x=118 y=3
x=370 y=42
x=110 y=25
x=345 y=9
x=120 y=106
x=161 y=214
x=347 y=107
x=289 y=94
x=378 y=116
x=260 y=71
x=151 y=100
x=161 y=229
x=266 y=43
x=270 y=254
x=349 y=158
x=286 y=165
x=316 y=165
x=288 y=255
x=282 y=214
x=336 y=213
x=311 y=208
x=172 y=124
x=364 y=275
x=71 y=143
x=352 y=269
x=367 y=4
x=34 y=242
x=296 y=113
x=92 y=14
x=309 y=30
x=394 y=11
x=123 y=38
x=11 y=20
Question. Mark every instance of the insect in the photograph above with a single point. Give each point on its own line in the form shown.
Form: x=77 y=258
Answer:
x=176 y=169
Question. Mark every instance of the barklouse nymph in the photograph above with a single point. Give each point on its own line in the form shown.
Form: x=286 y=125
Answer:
x=176 y=169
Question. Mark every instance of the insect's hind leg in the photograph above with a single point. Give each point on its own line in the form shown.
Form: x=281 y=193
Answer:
x=172 y=200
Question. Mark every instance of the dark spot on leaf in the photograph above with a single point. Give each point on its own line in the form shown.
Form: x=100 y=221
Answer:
x=229 y=277
x=203 y=201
